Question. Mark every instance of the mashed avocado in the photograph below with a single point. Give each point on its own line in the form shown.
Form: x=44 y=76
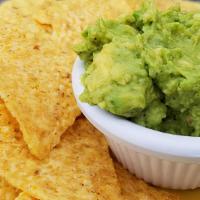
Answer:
x=146 y=67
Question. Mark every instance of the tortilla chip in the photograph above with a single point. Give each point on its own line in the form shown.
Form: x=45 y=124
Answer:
x=67 y=19
x=78 y=168
x=133 y=188
x=36 y=58
x=185 y=5
x=79 y=11
x=7 y=192
x=24 y=196
x=35 y=84
x=164 y=4
x=188 y=5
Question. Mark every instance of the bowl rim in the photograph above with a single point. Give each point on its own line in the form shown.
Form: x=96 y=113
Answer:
x=156 y=141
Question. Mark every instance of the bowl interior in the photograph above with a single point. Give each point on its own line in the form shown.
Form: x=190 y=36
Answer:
x=131 y=133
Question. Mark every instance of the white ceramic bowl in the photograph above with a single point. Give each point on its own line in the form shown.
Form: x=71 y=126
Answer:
x=165 y=160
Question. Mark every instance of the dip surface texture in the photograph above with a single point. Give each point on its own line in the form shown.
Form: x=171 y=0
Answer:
x=146 y=67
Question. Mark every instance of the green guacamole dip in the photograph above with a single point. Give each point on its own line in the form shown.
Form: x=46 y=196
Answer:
x=146 y=67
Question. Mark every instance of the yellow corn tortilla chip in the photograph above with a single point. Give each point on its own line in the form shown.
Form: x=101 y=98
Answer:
x=35 y=63
x=24 y=196
x=78 y=168
x=7 y=192
x=81 y=159
x=164 y=4
x=66 y=19
x=185 y=5
x=35 y=84
x=78 y=12
x=133 y=188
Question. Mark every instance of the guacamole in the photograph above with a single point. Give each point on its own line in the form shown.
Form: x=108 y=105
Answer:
x=146 y=67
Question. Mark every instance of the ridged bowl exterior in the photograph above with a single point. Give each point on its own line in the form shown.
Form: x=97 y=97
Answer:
x=159 y=172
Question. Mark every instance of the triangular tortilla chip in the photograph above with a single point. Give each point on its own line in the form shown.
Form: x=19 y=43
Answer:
x=35 y=84
x=66 y=19
x=79 y=168
x=37 y=39
x=24 y=196
x=133 y=188
x=7 y=192
x=35 y=64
